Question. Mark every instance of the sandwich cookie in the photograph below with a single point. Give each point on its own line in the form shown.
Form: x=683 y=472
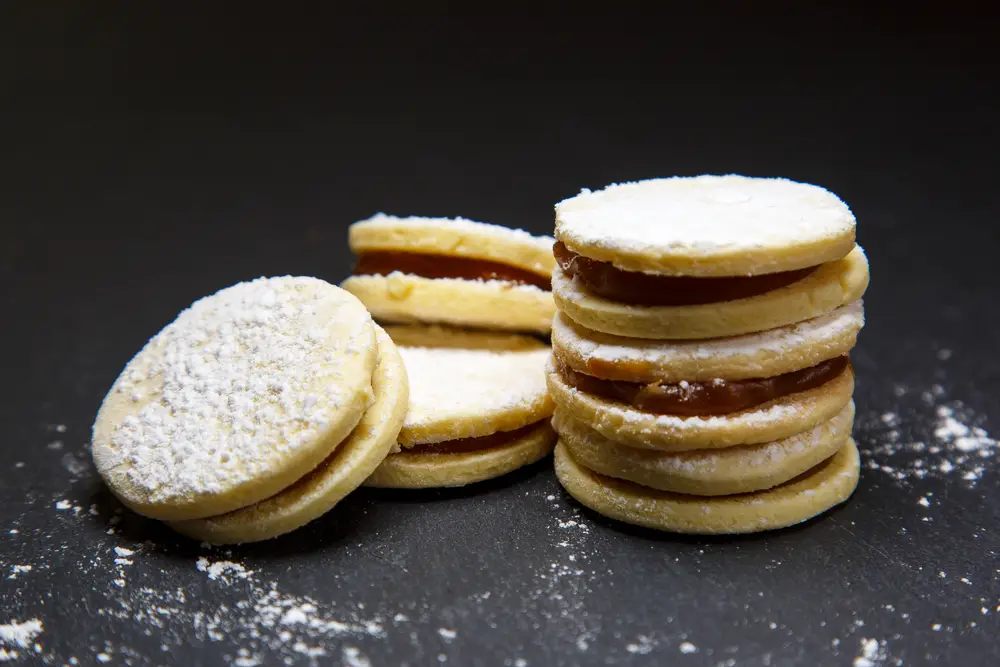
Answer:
x=708 y=472
x=684 y=395
x=452 y=271
x=679 y=396
x=241 y=395
x=474 y=413
x=704 y=257
x=343 y=471
x=817 y=490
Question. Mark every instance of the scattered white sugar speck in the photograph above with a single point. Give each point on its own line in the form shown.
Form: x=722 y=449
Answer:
x=924 y=502
x=63 y=505
x=944 y=354
x=873 y=653
x=936 y=627
x=959 y=446
x=688 y=647
x=55 y=444
x=520 y=662
x=641 y=646
x=103 y=657
x=18 y=569
x=16 y=635
x=447 y=634
x=965 y=580
x=353 y=657
x=222 y=569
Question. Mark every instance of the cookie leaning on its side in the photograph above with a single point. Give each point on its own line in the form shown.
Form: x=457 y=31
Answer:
x=259 y=388
x=452 y=271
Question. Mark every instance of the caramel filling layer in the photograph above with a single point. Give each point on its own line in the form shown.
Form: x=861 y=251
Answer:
x=463 y=445
x=642 y=289
x=384 y=262
x=704 y=399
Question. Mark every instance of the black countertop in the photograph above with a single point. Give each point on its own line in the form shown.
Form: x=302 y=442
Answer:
x=148 y=158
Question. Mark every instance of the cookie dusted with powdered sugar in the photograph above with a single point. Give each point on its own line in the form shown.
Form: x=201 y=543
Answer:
x=340 y=473
x=452 y=271
x=707 y=472
x=822 y=487
x=475 y=412
x=241 y=395
x=704 y=257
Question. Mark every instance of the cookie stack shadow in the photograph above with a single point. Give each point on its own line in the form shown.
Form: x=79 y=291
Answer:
x=700 y=365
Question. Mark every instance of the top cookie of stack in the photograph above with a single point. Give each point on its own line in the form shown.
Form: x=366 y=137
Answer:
x=707 y=313
x=452 y=271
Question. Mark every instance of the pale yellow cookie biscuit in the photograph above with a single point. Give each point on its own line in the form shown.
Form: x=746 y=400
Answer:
x=708 y=225
x=343 y=471
x=750 y=356
x=459 y=395
x=774 y=420
x=414 y=470
x=496 y=304
x=829 y=287
x=709 y=472
x=814 y=492
x=237 y=398
x=455 y=237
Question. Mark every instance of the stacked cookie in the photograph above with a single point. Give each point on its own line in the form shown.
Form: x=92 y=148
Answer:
x=700 y=356
x=478 y=404
x=255 y=411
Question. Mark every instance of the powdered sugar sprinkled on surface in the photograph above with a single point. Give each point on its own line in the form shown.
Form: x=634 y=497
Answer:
x=960 y=448
x=17 y=637
x=873 y=653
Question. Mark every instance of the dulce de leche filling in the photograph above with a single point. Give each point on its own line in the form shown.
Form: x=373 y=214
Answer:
x=462 y=445
x=704 y=399
x=642 y=289
x=425 y=265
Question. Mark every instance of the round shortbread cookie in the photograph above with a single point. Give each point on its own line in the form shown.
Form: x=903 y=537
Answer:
x=708 y=472
x=454 y=237
x=750 y=356
x=432 y=335
x=812 y=493
x=459 y=393
x=494 y=304
x=774 y=420
x=343 y=471
x=413 y=470
x=708 y=225
x=237 y=398
x=828 y=287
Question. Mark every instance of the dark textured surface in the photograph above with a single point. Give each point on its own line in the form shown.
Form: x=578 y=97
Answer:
x=147 y=159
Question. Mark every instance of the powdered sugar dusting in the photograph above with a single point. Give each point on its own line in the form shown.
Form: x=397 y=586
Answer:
x=742 y=356
x=701 y=217
x=456 y=393
x=240 y=379
x=18 y=636
x=959 y=448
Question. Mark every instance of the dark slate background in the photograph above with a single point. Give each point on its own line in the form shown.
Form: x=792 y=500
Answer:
x=152 y=154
